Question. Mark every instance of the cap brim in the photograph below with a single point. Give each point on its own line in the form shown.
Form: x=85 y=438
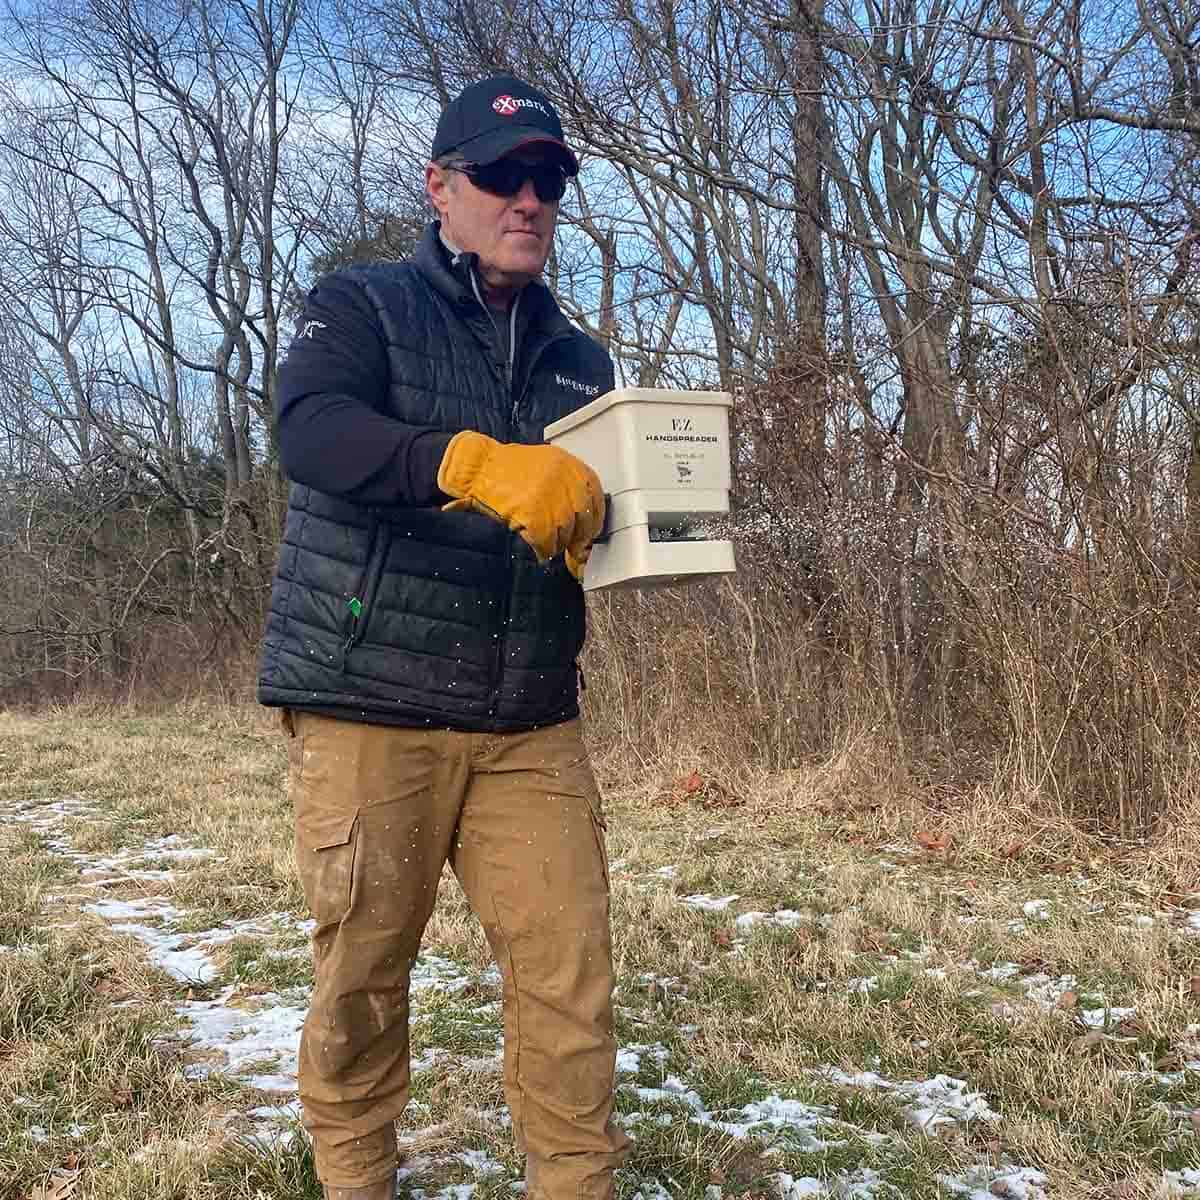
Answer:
x=496 y=143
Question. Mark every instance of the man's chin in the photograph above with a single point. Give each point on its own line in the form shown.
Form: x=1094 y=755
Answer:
x=516 y=273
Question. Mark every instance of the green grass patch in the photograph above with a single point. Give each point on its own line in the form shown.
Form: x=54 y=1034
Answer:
x=259 y=961
x=443 y=1021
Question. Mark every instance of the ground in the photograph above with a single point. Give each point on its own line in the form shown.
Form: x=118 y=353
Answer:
x=806 y=1006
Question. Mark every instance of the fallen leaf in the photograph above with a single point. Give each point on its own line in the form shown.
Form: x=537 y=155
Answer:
x=1195 y=985
x=722 y=937
x=1012 y=850
x=931 y=842
x=1068 y=1000
x=694 y=788
x=999 y=1187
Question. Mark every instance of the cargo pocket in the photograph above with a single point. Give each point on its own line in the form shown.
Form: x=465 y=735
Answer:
x=569 y=772
x=295 y=746
x=580 y=782
x=326 y=844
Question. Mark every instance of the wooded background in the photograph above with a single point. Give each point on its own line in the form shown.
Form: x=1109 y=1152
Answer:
x=946 y=255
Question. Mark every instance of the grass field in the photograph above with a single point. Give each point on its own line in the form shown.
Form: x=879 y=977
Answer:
x=813 y=1000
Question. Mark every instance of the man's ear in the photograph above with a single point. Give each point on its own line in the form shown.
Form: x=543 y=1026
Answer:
x=437 y=185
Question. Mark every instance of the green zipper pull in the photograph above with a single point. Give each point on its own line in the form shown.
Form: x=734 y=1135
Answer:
x=354 y=604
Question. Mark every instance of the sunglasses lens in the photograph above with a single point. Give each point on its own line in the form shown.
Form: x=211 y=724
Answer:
x=549 y=183
x=506 y=178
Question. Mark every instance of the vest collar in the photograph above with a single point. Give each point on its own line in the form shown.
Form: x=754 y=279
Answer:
x=452 y=278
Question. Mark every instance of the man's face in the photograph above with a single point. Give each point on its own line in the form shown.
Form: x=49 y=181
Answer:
x=511 y=234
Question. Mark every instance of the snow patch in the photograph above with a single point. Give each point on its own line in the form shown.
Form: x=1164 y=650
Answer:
x=927 y=1103
x=863 y=1184
x=244 y=1038
x=784 y=918
x=708 y=903
x=629 y=1058
x=986 y=1183
x=1180 y=1183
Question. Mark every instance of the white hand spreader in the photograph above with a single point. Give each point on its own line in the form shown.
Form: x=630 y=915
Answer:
x=663 y=458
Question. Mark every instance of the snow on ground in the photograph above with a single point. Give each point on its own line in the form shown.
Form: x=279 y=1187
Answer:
x=787 y=1123
x=927 y=1103
x=1050 y=993
x=708 y=903
x=978 y=1183
x=662 y=985
x=1105 y=1018
x=1180 y=1183
x=39 y=1133
x=863 y=1184
x=255 y=1038
x=629 y=1058
x=790 y=1122
x=784 y=918
x=862 y=986
x=983 y=1183
x=667 y=872
x=266 y=1030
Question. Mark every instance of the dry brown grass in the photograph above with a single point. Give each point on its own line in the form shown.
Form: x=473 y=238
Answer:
x=893 y=879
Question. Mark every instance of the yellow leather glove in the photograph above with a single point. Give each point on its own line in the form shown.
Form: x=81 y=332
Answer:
x=551 y=498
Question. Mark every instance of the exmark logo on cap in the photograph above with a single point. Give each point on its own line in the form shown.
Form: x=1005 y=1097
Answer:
x=508 y=106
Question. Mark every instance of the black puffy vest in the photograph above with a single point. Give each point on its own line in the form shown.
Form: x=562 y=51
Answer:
x=458 y=626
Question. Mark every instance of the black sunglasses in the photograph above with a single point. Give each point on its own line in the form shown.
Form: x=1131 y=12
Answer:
x=506 y=177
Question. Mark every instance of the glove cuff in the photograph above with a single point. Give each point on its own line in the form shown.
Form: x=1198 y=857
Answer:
x=462 y=462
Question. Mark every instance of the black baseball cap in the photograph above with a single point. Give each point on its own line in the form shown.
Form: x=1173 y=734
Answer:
x=494 y=117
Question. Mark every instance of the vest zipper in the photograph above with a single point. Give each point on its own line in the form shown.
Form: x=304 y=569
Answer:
x=529 y=369
x=361 y=603
x=515 y=397
x=502 y=633
x=512 y=357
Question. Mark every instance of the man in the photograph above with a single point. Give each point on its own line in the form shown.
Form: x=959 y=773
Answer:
x=425 y=622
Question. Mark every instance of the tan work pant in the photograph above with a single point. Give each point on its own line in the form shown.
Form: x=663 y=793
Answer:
x=378 y=811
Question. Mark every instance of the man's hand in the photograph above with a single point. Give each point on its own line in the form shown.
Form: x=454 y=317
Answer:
x=551 y=498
